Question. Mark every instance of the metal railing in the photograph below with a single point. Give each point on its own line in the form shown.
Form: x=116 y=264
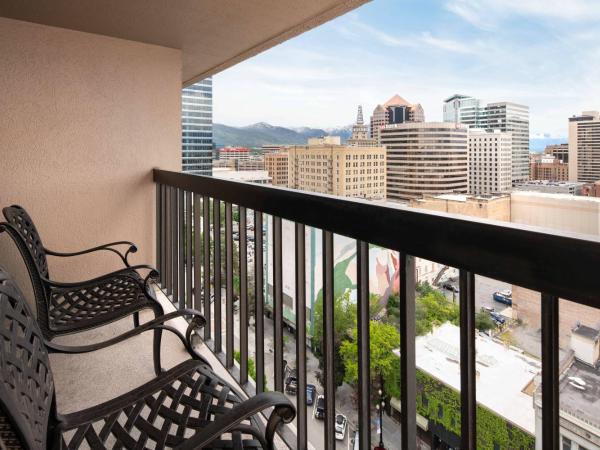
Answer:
x=558 y=265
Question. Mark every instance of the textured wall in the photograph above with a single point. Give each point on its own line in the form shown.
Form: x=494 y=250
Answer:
x=83 y=120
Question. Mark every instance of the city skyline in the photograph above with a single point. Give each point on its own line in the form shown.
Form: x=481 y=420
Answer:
x=426 y=51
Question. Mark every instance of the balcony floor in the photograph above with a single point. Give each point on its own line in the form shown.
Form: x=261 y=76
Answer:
x=88 y=379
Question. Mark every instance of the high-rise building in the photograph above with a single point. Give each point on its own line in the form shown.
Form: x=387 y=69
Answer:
x=277 y=167
x=360 y=133
x=196 y=128
x=503 y=116
x=338 y=170
x=490 y=162
x=559 y=151
x=463 y=109
x=425 y=158
x=584 y=147
x=395 y=110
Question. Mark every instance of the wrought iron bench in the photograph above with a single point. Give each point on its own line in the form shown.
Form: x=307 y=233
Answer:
x=186 y=407
x=64 y=308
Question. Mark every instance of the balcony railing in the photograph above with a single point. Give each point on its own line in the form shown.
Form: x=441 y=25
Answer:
x=558 y=265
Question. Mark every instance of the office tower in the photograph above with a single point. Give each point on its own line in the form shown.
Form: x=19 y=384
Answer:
x=463 y=109
x=276 y=165
x=338 y=170
x=425 y=158
x=490 y=162
x=584 y=147
x=360 y=133
x=196 y=126
x=395 y=110
x=503 y=116
x=559 y=151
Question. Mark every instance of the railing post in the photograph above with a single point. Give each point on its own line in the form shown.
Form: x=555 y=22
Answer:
x=550 y=373
x=181 y=247
x=206 y=226
x=468 y=403
x=278 y=303
x=300 y=269
x=188 y=249
x=329 y=335
x=158 y=230
x=228 y=286
x=408 y=367
x=259 y=318
x=364 y=350
x=217 y=273
x=243 y=297
x=197 y=260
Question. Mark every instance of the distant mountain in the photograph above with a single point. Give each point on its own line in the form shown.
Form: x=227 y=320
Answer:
x=262 y=133
x=538 y=143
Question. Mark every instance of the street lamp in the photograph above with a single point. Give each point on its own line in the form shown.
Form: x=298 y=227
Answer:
x=379 y=406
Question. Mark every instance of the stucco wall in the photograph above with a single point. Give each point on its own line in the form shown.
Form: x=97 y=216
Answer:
x=83 y=120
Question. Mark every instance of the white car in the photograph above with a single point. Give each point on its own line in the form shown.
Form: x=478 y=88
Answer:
x=341 y=423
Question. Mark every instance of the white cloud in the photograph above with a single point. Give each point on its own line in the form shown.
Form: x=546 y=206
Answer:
x=486 y=14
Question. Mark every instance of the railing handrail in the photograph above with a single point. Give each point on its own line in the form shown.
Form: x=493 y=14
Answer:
x=532 y=257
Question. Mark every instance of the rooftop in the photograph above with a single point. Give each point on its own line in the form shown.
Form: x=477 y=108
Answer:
x=504 y=374
x=583 y=403
x=587 y=332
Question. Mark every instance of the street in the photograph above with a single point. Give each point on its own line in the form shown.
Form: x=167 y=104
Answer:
x=484 y=291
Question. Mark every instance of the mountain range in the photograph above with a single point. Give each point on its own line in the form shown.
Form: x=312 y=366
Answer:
x=262 y=133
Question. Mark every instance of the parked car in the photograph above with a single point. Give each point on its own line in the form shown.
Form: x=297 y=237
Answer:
x=341 y=423
x=291 y=382
x=311 y=392
x=319 y=410
x=503 y=297
x=488 y=309
x=500 y=320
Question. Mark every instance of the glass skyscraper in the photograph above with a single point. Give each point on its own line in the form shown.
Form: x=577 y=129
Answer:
x=196 y=126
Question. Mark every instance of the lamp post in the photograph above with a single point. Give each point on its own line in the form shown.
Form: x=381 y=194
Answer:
x=380 y=405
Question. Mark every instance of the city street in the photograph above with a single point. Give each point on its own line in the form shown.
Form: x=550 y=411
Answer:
x=484 y=291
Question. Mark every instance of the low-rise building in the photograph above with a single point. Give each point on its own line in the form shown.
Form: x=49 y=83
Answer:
x=496 y=207
x=235 y=153
x=559 y=151
x=248 y=176
x=547 y=167
x=550 y=187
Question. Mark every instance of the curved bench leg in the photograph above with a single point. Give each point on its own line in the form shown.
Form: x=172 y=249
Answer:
x=157 y=343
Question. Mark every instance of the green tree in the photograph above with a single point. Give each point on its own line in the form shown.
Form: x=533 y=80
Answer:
x=484 y=322
x=434 y=309
x=384 y=338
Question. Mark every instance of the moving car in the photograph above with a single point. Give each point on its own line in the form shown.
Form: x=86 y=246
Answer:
x=319 y=411
x=291 y=382
x=341 y=423
x=503 y=297
x=311 y=392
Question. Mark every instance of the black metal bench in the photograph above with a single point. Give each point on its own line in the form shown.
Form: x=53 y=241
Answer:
x=64 y=308
x=186 y=407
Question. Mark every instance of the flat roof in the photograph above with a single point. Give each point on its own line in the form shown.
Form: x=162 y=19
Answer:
x=503 y=373
x=587 y=332
x=581 y=403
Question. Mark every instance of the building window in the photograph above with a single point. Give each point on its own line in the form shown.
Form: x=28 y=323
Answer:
x=566 y=443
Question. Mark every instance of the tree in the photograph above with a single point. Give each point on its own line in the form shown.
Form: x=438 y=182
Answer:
x=344 y=313
x=432 y=310
x=384 y=338
x=484 y=322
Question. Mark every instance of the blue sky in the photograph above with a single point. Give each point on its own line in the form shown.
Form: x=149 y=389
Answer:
x=542 y=53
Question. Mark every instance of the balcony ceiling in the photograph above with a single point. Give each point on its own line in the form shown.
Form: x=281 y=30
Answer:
x=212 y=34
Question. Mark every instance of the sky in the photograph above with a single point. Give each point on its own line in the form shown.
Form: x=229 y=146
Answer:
x=541 y=53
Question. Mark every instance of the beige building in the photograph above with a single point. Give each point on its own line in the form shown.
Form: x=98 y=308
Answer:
x=425 y=158
x=495 y=207
x=360 y=133
x=395 y=110
x=559 y=151
x=276 y=165
x=338 y=170
x=584 y=147
x=490 y=161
